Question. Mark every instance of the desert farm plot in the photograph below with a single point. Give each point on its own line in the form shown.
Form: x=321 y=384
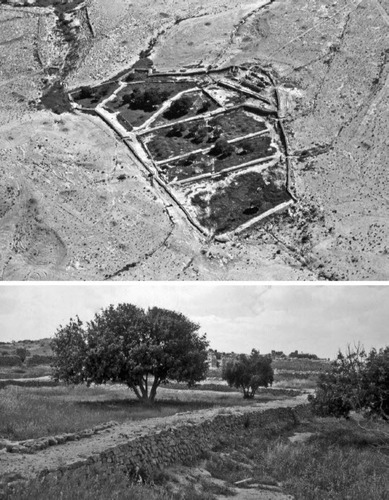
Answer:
x=210 y=137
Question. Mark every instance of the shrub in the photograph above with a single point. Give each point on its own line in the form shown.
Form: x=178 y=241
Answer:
x=37 y=359
x=357 y=381
x=10 y=361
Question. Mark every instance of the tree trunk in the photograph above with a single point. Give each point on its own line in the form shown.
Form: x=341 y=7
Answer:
x=142 y=392
x=154 y=388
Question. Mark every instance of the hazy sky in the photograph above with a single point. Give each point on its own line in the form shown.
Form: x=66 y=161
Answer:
x=318 y=319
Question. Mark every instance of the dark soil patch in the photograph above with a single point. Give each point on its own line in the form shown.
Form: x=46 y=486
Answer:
x=90 y=97
x=56 y=99
x=247 y=196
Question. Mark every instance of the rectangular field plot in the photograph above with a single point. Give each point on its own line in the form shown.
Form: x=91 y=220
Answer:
x=222 y=208
x=182 y=138
x=238 y=153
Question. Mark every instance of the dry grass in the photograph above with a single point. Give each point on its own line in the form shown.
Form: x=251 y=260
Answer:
x=340 y=461
x=115 y=489
x=21 y=372
x=31 y=412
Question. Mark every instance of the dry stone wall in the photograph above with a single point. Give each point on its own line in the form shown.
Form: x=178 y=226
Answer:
x=126 y=452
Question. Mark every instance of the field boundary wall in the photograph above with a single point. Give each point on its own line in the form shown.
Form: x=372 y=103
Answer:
x=130 y=455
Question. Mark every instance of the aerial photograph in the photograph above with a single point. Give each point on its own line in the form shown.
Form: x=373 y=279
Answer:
x=194 y=391
x=194 y=140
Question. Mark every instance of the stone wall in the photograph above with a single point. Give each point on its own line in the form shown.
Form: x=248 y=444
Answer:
x=182 y=439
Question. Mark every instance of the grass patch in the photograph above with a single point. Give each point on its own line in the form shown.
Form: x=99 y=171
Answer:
x=24 y=372
x=117 y=488
x=113 y=489
x=340 y=461
x=35 y=412
x=32 y=412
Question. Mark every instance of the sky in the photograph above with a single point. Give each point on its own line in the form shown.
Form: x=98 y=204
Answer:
x=317 y=319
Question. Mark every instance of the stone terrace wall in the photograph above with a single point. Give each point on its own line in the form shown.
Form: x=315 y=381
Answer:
x=184 y=438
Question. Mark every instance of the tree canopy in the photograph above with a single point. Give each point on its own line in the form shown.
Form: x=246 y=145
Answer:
x=249 y=373
x=222 y=148
x=147 y=100
x=179 y=107
x=357 y=381
x=127 y=344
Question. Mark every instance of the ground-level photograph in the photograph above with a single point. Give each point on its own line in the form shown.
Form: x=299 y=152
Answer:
x=194 y=391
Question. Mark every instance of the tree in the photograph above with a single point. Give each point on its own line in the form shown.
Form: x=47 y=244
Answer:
x=85 y=93
x=249 y=373
x=127 y=344
x=147 y=100
x=222 y=148
x=176 y=131
x=179 y=107
x=22 y=352
x=357 y=381
x=69 y=347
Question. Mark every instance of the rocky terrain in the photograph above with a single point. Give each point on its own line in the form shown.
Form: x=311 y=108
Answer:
x=66 y=210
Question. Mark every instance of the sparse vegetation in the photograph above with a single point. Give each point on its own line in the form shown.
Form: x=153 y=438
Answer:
x=340 y=460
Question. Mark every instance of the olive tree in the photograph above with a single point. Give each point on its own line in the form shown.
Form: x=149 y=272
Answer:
x=127 y=344
x=249 y=373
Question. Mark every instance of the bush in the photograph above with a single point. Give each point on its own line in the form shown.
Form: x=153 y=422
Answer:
x=37 y=359
x=357 y=381
x=10 y=361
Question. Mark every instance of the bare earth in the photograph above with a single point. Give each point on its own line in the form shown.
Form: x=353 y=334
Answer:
x=64 y=214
